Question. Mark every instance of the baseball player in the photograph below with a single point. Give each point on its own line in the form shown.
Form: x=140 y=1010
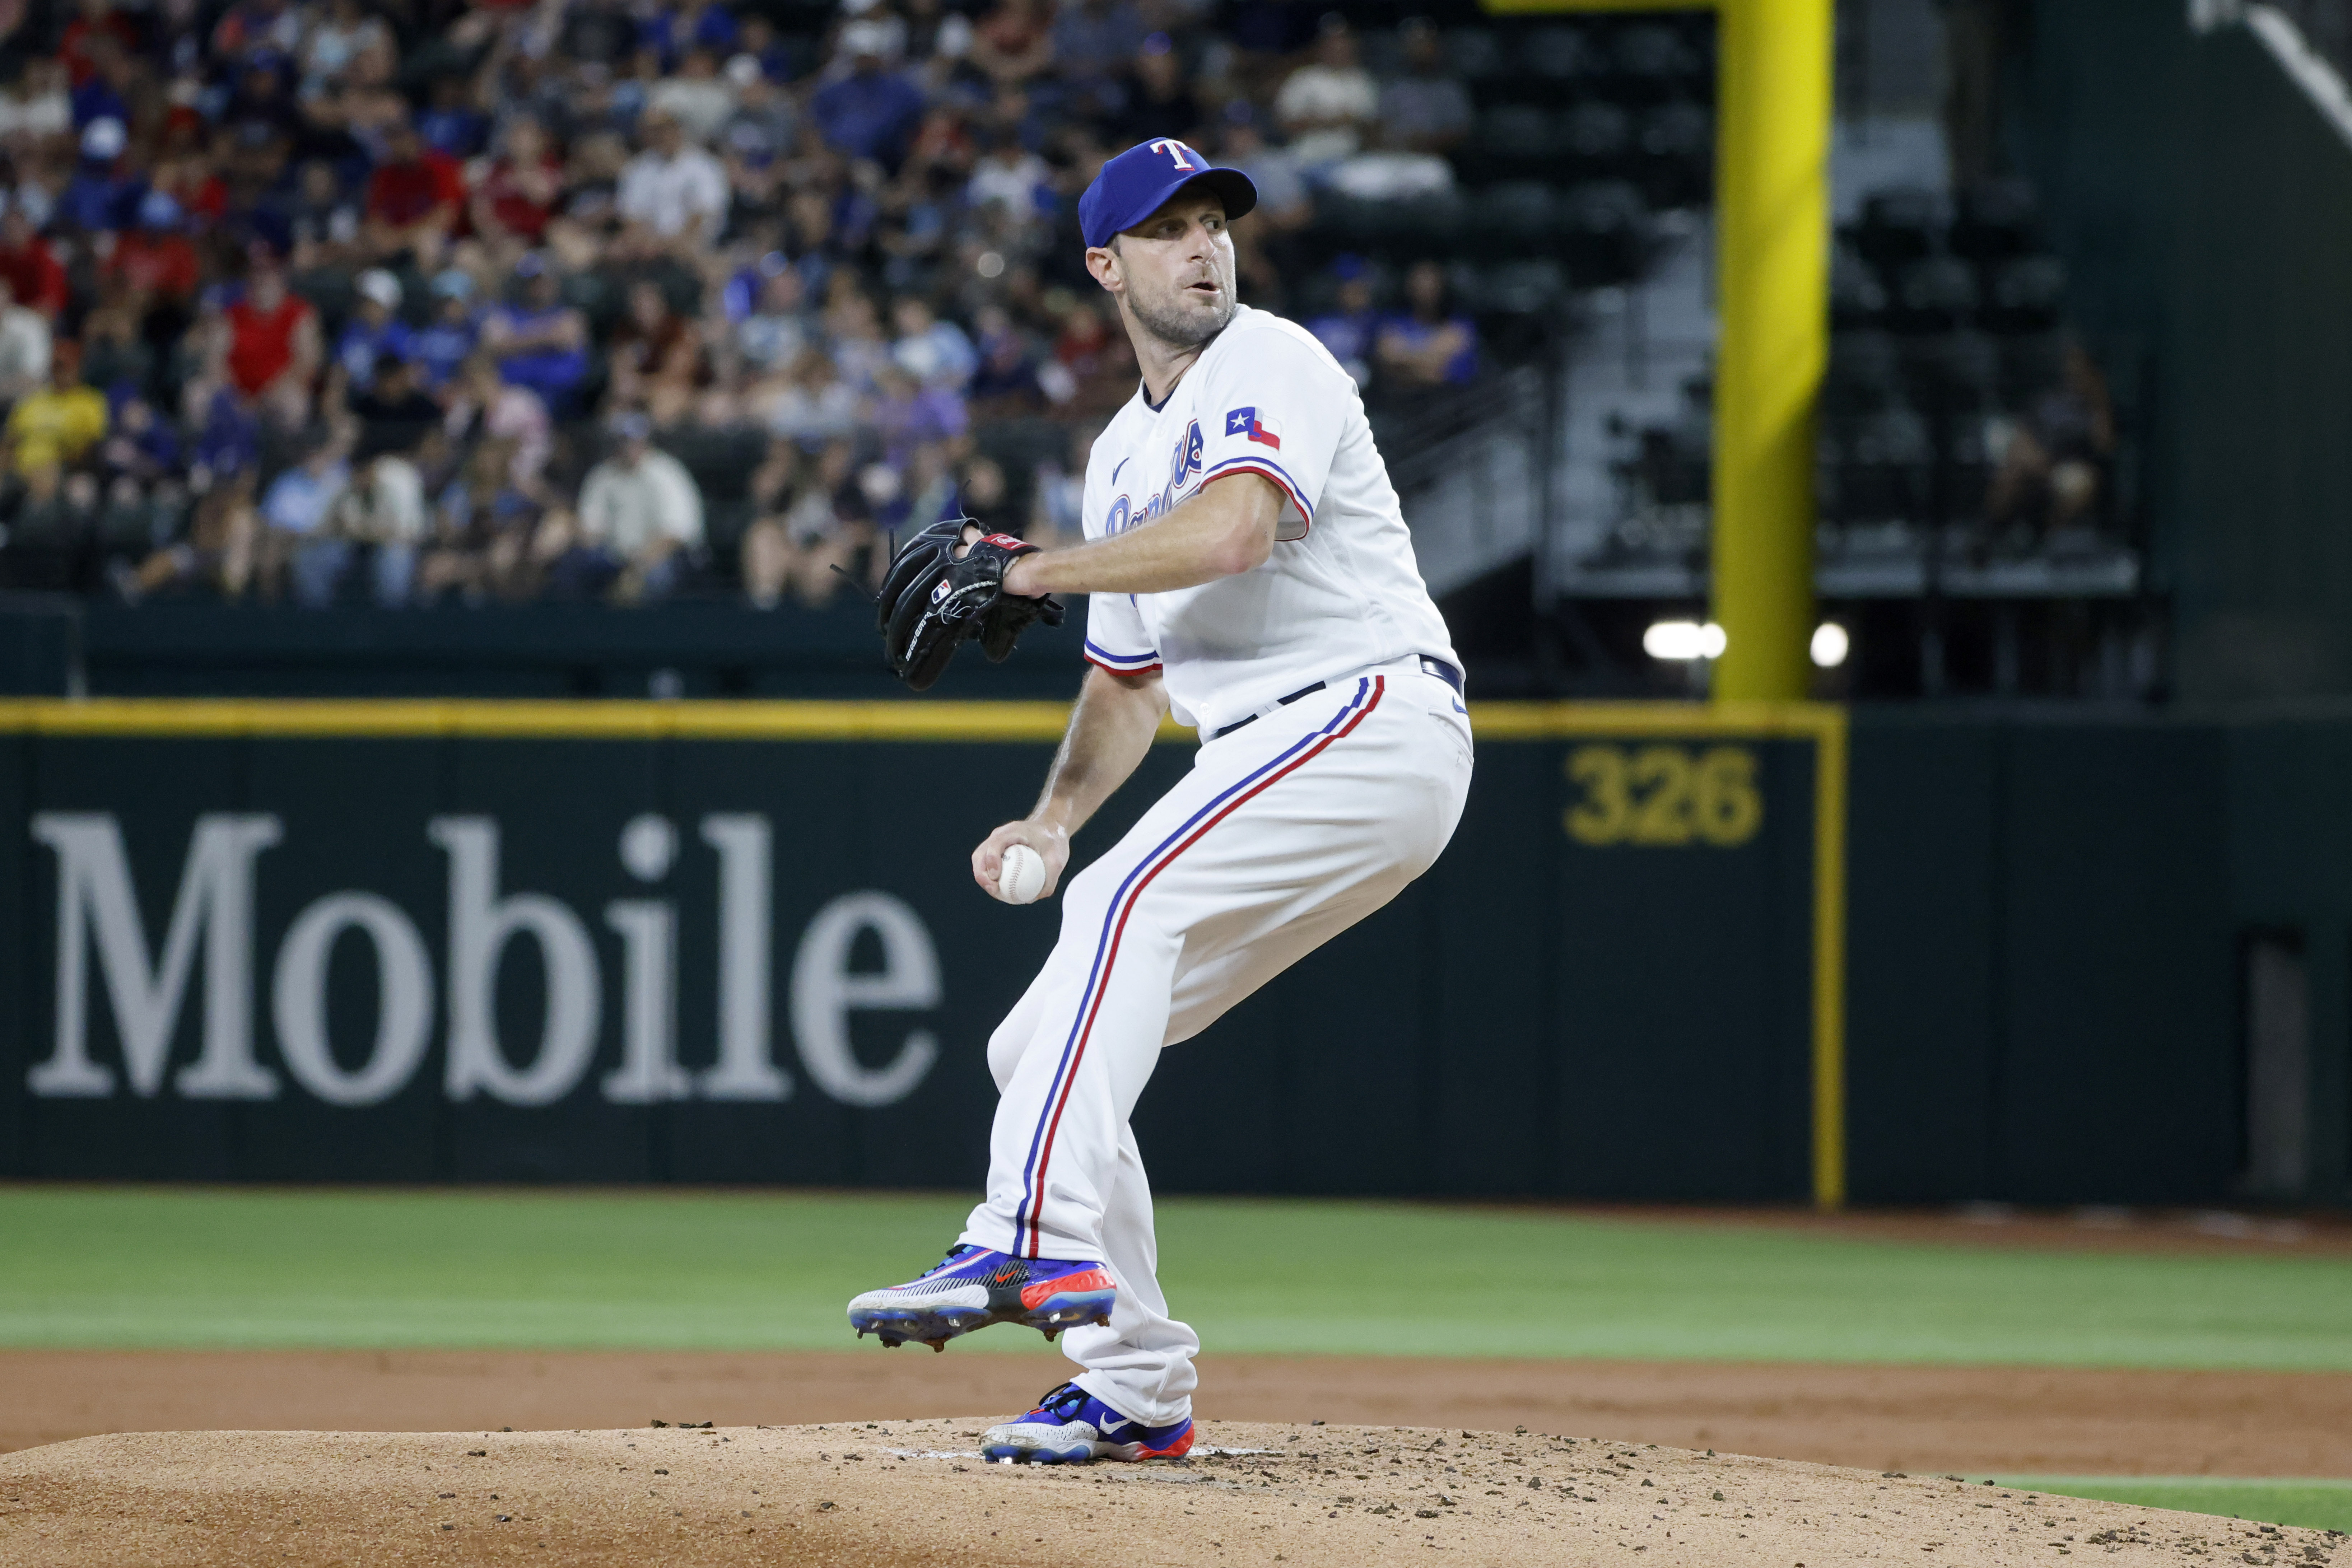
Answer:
x=1247 y=568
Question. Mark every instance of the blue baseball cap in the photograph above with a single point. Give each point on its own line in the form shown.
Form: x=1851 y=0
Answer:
x=1133 y=185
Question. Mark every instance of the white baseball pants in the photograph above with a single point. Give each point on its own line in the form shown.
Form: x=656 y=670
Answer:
x=1286 y=833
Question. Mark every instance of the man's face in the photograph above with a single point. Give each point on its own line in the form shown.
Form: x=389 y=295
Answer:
x=664 y=137
x=1174 y=270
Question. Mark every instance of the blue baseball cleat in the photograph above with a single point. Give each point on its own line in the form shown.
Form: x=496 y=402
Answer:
x=1071 y=1426
x=973 y=1286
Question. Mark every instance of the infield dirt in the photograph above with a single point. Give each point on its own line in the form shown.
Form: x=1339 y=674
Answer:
x=889 y=1493
x=1983 y=1420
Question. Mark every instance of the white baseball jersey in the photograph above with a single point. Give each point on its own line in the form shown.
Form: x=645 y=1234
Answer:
x=1279 y=837
x=1341 y=593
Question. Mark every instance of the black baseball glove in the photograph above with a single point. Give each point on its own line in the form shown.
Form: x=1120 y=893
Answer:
x=938 y=592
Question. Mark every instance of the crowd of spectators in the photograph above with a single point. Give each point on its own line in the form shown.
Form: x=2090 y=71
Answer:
x=327 y=301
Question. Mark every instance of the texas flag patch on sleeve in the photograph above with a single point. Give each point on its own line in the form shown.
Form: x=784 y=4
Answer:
x=1245 y=422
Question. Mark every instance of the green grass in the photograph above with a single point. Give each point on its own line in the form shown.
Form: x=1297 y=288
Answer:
x=2313 y=1504
x=179 y=1266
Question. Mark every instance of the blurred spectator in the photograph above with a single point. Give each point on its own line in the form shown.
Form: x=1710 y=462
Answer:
x=38 y=109
x=540 y=342
x=155 y=260
x=415 y=199
x=94 y=20
x=772 y=336
x=982 y=494
x=451 y=123
x=850 y=229
x=23 y=345
x=1427 y=110
x=36 y=279
x=114 y=357
x=814 y=518
x=674 y=195
x=698 y=98
x=815 y=405
x=483 y=407
x=323 y=224
x=1329 y=104
x=1012 y=43
x=443 y=343
x=375 y=331
x=933 y=351
x=1283 y=201
x=870 y=112
x=103 y=189
x=907 y=414
x=1351 y=327
x=1161 y=102
x=2050 y=466
x=1428 y=344
x=1057 y=508
x=393 y=410
x=640 y=517
x=335 y=40
x=1004 y=385
x=293 y=512
x=377 y=520
x=53 y=426
x=517 y=193
x=219 y=551
x=656 y=356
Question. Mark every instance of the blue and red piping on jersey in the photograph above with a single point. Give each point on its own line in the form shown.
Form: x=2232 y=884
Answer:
x=1027 y=1234
x=1252 y=463
x=1121 y=663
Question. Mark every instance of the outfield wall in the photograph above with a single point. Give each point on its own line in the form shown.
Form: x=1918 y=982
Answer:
x=720 y=943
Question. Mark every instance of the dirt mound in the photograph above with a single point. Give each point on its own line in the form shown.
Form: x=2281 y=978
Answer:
x=1983 y=1420
x=883 y=1494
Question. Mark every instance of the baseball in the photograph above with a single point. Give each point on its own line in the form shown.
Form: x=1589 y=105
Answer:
x=1021 y=877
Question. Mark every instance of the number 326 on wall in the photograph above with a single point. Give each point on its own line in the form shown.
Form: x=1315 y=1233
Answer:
x=1664 y=794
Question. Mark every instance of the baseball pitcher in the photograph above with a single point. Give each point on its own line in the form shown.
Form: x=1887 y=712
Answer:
x=1247 y=568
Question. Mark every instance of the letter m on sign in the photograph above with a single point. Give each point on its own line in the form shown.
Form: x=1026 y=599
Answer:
x=97 y=900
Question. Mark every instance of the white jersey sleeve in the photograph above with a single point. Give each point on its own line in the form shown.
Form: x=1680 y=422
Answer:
x=1117 y=638
x=1279 y=412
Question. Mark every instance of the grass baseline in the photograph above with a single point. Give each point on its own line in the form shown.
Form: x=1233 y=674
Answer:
x=2315 y=1503
x=163 y=1266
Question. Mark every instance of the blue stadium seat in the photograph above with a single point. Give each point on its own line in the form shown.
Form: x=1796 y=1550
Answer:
x=1476 y=54
x=1520 y=214
x=2025 y=295
x=1605 y=233
x=1899 y=225
x=1857 y=298
x=1521 y=288
x=1597 y=138
x=1935 y=294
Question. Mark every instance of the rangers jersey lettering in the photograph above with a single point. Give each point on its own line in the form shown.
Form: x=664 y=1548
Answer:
x=1341 y=592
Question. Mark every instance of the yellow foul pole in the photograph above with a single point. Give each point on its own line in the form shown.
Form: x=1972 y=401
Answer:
x=1772 y=230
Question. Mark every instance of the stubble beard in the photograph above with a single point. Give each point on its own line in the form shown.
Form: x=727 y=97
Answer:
x=1178 y=326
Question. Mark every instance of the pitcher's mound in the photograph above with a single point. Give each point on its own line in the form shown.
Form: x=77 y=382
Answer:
x=903 y=1492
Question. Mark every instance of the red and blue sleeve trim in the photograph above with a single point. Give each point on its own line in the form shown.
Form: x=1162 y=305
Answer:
x=1250 y=463
x=1121 y=664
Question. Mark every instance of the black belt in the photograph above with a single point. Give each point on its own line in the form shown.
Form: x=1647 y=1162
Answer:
x=1438 y=667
